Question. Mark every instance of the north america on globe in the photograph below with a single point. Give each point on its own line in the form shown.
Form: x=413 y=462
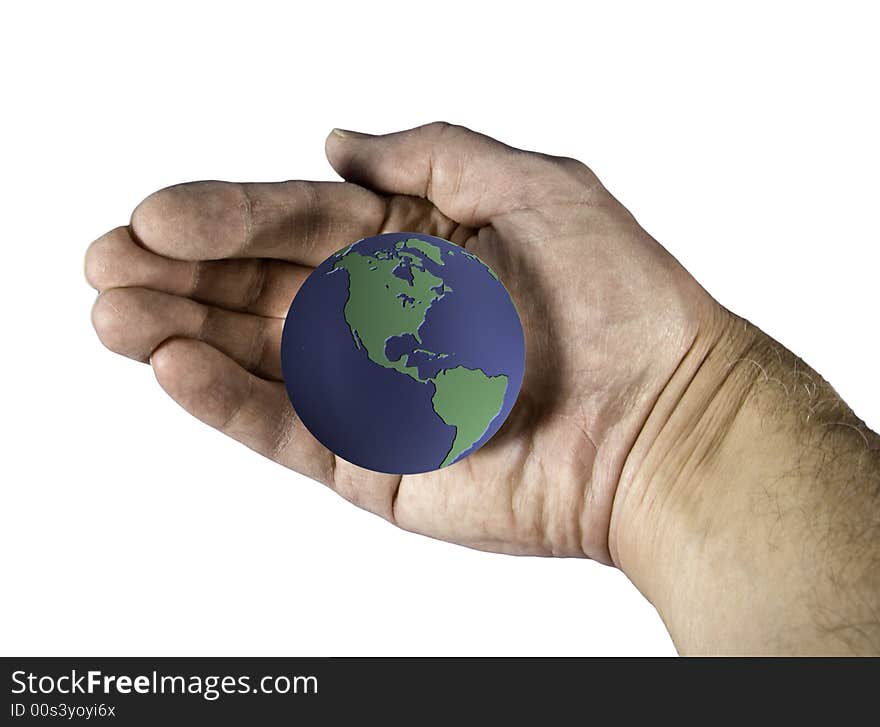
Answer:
x=403 y=353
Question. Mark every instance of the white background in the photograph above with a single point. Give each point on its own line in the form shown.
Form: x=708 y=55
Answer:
x=745 y=140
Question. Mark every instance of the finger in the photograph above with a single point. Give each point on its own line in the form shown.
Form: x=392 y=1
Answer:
x=470 y=177
x=135 y=321
x=302 y=222
x=259 y=286
x=215 y=389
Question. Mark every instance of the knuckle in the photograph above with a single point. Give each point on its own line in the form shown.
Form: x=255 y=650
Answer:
x=570 y=164
x=437 y=130
x=308 y=224
x=576 y=170
x=437 y=127
x=256 y=274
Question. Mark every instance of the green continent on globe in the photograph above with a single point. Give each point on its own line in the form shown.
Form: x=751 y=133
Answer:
x=432 y=252
x=382 y=305
x=468 y=400
x=389 y=294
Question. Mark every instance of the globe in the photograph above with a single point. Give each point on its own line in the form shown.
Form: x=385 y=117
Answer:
x=403 y=353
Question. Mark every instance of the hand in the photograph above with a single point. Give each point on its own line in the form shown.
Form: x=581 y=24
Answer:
x=200 y=282
x=654 y=430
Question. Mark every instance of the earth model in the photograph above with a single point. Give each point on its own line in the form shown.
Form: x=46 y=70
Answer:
x=403 y=353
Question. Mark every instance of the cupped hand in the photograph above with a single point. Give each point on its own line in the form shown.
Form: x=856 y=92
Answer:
x=200 y=281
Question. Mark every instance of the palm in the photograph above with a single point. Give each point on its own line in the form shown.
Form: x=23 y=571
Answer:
x=202 y=280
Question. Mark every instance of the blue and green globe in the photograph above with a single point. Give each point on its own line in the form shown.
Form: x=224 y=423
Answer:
x=403 y=353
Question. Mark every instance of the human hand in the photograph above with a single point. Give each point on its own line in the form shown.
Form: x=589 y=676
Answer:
x=201 y=281
x=636 y=433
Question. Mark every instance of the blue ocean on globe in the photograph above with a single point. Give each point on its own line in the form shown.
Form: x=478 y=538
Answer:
x=403 y=353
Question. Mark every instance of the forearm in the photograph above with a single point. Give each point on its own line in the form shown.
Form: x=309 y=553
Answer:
x=749 y=512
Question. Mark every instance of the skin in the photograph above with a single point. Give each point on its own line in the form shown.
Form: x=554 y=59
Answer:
x=655 y=430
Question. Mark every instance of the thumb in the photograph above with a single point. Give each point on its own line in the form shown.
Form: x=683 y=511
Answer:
x=469 y=177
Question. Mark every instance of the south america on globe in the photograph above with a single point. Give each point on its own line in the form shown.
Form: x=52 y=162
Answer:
x=403 y=353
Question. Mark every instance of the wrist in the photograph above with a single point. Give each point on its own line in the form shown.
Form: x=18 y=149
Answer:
x=743 y=512
x=684 y=517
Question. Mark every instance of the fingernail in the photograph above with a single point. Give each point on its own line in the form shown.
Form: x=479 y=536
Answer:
x=348 y=134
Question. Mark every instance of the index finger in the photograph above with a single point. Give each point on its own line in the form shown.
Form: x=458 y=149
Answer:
x=303 y=222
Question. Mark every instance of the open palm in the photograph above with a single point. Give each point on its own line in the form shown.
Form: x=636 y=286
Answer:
x=200 y=282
